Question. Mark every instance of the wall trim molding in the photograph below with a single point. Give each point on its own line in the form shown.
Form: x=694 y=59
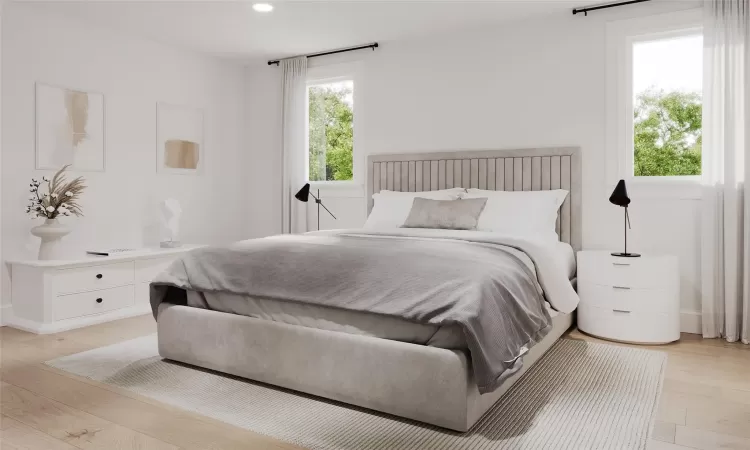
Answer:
x=5 y=312
x=691 y=322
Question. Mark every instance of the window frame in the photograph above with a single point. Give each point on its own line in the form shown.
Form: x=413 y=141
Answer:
x=621 y=37
x=320 y=75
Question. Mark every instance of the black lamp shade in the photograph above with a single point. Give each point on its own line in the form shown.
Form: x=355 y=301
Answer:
x=303 y=193
x=619 y=196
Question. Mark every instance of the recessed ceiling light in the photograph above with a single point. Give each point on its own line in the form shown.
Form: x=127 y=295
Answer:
x=263 y=7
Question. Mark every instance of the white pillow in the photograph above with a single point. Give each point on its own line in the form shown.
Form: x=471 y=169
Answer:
x=525 y=213
x=391 y=208
x=455 y=192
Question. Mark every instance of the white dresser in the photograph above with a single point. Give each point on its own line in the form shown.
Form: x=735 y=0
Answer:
x=59 y=295
x=629 y=299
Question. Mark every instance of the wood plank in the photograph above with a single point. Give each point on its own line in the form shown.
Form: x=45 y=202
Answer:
x=434 y=176
x=126 y=409
x=8 y=334
x=725 y=417
x=565 y=209
x=449 y=181
x=663 y=431
x=426 y=172
x=397 y=176
x=509 y=184
x=653 y=444
x=70 y=425
x=389 y=175
x=466 y=173
x=441 y=174
x=670 y=413
x=526 y=176
x=709 y=440
x=536 y=173
x=413 y=176
x=17 y=436
x=500 y=174
x=474 y=165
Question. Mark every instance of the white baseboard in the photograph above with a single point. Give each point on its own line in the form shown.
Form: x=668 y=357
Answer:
x=5 y=313
x=691 y=322
x=78 y=322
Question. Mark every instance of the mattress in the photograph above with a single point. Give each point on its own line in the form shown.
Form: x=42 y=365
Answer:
x=354 y=322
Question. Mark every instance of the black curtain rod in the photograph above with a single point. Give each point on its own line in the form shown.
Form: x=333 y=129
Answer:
x=585 y=11
x=373 y=46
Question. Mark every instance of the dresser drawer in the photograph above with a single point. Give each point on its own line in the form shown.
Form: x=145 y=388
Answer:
x=617 y=298
x=142 y=294
x=635 y=273
x=642 y=327
x=69 y=281
x=94 y=302
x=147 y=269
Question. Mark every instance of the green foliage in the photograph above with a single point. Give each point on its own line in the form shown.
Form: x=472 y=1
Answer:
x=331 y=134
x=667 y=133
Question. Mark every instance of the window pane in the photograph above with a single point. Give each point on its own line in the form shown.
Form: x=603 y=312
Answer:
x=331 y=131
x=667 y=104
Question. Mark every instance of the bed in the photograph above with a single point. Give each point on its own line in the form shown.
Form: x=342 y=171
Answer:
x=418 y=371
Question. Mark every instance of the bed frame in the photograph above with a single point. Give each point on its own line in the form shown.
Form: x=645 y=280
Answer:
x=427 y=384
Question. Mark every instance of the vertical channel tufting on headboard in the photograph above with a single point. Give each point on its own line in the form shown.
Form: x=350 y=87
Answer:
x=531 y=169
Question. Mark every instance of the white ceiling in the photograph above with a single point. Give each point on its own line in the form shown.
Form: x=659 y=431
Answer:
x=232 y=29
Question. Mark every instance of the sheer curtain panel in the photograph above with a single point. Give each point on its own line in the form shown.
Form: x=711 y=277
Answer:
x=294 y=153
x=725 y=249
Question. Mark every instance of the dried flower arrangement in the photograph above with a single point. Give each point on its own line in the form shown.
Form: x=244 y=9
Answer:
x=61 y=198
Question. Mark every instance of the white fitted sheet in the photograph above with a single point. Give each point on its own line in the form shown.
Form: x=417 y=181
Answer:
x=354 y=322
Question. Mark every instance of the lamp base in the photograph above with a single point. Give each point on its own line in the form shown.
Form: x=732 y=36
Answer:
x=626 y=255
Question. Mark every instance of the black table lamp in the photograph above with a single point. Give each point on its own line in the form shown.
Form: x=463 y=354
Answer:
x=304 y=194
x=620 y=197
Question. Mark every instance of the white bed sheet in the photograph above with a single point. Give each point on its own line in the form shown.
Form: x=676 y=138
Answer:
x=354 y=322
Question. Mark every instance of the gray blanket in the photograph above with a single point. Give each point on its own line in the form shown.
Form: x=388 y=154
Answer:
x=480 y=286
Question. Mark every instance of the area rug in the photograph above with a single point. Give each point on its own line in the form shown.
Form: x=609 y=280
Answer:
x=580 y=395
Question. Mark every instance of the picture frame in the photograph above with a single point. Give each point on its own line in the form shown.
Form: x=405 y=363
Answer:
x=69 y=128
x=180 y=145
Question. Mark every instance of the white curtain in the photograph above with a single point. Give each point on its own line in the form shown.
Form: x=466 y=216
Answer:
x=725 y=216
x=294 y=153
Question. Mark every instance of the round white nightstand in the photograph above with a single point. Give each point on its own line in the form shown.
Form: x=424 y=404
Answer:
x=629 y=299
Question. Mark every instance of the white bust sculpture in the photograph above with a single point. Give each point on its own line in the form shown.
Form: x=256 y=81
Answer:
x=170 y=223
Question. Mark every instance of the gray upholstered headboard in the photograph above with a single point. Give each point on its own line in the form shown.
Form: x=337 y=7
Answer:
x=534 y=169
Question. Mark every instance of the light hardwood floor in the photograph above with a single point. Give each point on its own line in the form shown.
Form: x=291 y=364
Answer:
x=705 y=403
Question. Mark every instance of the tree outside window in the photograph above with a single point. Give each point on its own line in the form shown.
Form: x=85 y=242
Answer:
x=667 y=107
x=331 y=131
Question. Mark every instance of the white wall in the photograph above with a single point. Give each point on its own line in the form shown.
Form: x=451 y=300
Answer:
x=535 y=83
x=133 y=74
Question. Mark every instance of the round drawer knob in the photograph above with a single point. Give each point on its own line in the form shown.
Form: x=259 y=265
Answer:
x=99 y=300
x=99 y=276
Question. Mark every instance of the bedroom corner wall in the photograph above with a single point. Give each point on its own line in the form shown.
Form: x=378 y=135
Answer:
x=133 y=74
x=540 y=82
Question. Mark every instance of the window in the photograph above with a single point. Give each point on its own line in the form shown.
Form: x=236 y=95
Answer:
x=654 y=91
x=331 y=130
x=667 y=105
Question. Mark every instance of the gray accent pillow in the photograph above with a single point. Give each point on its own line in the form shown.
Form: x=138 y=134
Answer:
x=445 y=214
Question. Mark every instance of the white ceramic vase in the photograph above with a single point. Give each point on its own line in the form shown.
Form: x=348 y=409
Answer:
x=51 y=232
